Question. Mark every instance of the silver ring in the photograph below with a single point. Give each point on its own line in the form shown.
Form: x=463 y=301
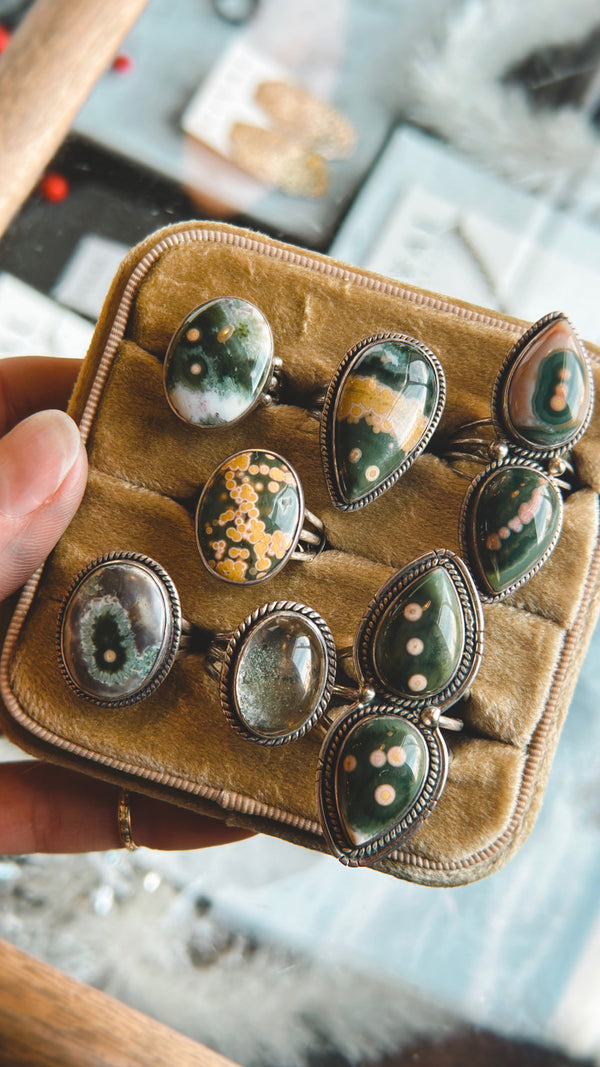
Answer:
x=251 y=519
x=542 y=403
x=119 y=629
x=220 y=364
x=384 y=761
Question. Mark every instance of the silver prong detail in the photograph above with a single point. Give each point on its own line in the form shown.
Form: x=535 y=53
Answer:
x=313 y=536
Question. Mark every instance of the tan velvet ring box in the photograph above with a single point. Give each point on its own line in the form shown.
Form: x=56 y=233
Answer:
x=146 y=470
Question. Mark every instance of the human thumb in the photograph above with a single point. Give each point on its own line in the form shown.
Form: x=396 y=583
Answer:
x=43 y=470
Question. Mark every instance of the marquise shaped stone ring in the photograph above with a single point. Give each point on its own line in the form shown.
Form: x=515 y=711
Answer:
x=542 y=403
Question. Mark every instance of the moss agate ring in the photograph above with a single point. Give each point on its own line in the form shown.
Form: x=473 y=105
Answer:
x=383 y=763
x=119 y=629
x=251 y=519
x=382 y=406
x=276 y=672
x=220 y=363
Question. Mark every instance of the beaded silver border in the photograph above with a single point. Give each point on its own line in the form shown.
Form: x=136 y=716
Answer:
x=327 y=797
x=268 y=377
x=499 y=405
x=171 y=643
x=297 y=532
x=466 y=525
x=366 y=636
x=327 y=421
x=235 y=645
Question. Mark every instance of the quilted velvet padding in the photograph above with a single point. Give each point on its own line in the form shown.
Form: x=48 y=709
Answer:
x=146 y=470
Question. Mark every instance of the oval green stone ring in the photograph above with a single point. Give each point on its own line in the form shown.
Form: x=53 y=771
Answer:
x=251 y=519
x=119 y=629
x=220 y=364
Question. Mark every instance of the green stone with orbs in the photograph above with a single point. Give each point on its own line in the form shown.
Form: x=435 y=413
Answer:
x=514 y=518
x=547 y=393
x=383 y=409
x=116 y=631
x=219 y=362
x=280 y=675
x=381 y=769
x=249 y=516
x=420 y=639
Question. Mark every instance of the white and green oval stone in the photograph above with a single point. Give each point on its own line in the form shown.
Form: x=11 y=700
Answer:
x=420 y=640
x=219 y=362
x=515 y=517
x=280 y=675
x=547 y=392
x=383 y=410
x=380 y=772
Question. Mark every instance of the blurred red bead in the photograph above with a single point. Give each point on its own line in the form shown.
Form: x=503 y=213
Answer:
x=122 y=64
x=4 y=38
x=54 y=187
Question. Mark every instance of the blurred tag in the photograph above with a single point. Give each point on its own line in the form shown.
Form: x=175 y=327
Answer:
x=34 y=325
x=227 y=96
x=88 y=274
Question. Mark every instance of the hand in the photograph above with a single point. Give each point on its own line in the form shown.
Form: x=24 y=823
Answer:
x=43 y=470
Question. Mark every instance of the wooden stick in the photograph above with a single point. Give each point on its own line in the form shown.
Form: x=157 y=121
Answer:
x=50 y=1020
x=46 y=73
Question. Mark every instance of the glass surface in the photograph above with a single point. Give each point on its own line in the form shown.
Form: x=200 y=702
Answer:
x=454 y=146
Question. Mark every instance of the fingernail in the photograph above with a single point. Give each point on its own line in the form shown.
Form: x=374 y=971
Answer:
x=35 y=458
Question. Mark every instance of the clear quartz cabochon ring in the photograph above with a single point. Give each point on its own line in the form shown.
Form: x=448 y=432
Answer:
x=119 y=629
x=220 y=363
x=276 y=672
x=381 y=408
x=251 y=519
x=383 y=763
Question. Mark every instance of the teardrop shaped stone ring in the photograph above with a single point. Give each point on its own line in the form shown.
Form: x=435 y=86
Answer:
x=220 y=363
x=119 y=629
x=251 y=519
x=542 y=403
x=383 y=763
x=381 y=408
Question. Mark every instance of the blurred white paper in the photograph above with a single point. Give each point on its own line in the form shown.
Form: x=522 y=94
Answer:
x=32 y=324
x=86 y=279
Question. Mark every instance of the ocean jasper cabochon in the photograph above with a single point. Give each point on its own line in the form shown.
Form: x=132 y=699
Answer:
x=383 y=407
x=514 y=518
x=116 y=631
x=249 y=517
x=280 y=675
x=219 y=362
x=381 y=769
x=547 y=394
x=420 y=639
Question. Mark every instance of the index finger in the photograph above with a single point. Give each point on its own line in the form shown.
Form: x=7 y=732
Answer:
x=32 y=383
